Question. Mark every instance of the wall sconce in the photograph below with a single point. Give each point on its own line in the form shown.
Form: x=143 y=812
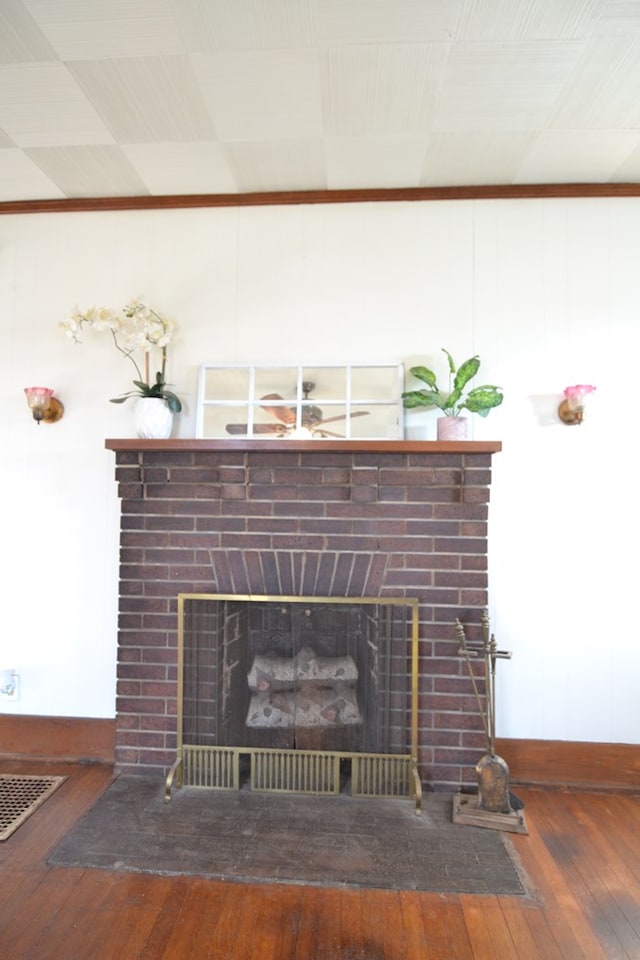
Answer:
x=43 y=404
x=571 y=410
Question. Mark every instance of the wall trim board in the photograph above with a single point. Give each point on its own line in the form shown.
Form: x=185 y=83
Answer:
x=548 y=763
x=294 y=197
x=80 y=739
x=574 y=764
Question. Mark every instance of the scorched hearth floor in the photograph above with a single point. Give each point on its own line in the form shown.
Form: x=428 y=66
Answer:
x=325 y=841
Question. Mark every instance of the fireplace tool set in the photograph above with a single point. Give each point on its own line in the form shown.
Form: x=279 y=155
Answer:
x=494 y=806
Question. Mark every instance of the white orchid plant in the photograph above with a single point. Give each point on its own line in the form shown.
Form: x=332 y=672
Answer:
x=136 y=329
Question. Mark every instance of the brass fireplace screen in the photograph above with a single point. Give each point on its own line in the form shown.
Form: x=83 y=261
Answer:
x=297 y=694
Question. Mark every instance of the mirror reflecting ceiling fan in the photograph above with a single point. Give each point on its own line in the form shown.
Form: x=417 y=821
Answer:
x=313 y=423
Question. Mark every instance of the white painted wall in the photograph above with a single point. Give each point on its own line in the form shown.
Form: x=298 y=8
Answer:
x=545 y=291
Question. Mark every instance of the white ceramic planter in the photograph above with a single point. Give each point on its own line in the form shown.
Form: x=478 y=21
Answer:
x=153 y=420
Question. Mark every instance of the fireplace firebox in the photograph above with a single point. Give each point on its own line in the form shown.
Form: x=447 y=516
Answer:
x=309 y=692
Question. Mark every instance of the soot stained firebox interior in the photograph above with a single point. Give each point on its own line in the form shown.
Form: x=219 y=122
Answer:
x=290 y=674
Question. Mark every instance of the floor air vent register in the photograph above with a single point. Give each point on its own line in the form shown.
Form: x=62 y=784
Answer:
x=20 y=796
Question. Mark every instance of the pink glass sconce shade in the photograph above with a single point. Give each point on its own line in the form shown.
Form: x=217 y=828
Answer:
x=572 y=409
x=43 y=404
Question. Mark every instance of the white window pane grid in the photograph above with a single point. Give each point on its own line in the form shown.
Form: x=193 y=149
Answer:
x=305 y=401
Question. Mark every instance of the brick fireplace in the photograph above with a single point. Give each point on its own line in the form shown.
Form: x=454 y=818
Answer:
x=301 y=518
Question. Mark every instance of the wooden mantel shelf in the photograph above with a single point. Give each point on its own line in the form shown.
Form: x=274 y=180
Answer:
x=308 y=446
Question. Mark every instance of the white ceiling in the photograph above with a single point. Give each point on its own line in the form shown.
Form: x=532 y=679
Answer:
x=122 y=98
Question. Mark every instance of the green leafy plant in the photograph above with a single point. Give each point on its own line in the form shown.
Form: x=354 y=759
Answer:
x=452 y=402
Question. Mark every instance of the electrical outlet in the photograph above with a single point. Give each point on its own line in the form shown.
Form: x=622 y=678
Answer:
x=9 y=685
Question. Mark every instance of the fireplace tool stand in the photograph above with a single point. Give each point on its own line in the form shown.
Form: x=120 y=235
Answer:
x=494 y=806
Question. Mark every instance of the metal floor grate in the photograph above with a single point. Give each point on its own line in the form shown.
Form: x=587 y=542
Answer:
x=20 y=796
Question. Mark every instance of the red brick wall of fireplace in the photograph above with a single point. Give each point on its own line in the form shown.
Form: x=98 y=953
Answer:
x=321 y=518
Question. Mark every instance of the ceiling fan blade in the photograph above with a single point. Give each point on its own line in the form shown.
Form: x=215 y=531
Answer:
x=278 y=428
x=243 y=428
x=321 y=432
x=283 y=414
x=357 y=413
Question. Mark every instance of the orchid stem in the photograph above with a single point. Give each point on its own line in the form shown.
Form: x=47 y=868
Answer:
x=126 y=353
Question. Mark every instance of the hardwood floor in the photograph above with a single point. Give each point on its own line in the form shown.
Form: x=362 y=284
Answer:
x=582 y=856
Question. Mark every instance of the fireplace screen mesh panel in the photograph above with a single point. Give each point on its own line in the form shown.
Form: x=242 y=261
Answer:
x=294 y=678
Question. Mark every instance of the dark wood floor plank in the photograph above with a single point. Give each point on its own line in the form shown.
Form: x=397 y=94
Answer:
x=444 y=927
x=31 y=911
x=415 y=935
x=174 y=892
x=334 y=926
x=620 y=823
x=142 y=908
x=487 y=928
x=582 y=857
x=233 y=934
x=531 y=931
x=194 y=927
x=276 y=924
x=591 y=878
x=354 y=924
x=384 y=940
x=543 y=858
x=603 y=877
x=16 y=889
x=310 y=928
x=77 y=925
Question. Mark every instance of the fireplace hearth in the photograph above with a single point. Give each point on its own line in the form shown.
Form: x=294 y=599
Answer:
x=349 y=520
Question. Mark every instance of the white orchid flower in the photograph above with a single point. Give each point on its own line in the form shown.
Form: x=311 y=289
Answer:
x=139 y=329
